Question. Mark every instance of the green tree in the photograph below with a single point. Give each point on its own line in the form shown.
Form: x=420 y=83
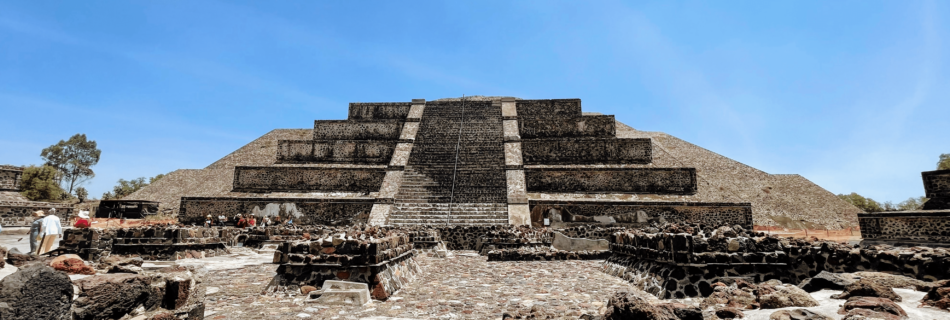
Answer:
x=124 y=188
x=155 y=178
x=40 y=183
x=911 y=204
x=81 y=193
x=74 y=160
x=865 y=204
x=944 y=162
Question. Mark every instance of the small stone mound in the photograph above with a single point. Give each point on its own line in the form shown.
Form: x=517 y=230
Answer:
x=938 y=296
x=827 y=280
x=632 y=305
x=875 y=304
x=867 y=288
x=798 y=314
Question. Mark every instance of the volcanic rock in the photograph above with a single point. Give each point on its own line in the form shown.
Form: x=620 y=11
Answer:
x=882 y=305
x=111 y=296
x=798 y=314
x=35 y=292
x=938 y=296
x=867 y=288
x=631 y=305
x=784 y=296
x=827 y=280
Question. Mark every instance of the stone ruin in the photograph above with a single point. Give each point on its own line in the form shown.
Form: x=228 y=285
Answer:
x=525 y=180
x=929 y=226
x=17 y=210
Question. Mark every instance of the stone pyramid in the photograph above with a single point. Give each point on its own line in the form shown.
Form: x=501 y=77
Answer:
x=490 y=161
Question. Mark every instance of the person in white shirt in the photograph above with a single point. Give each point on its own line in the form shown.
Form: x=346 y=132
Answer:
x=51 y=224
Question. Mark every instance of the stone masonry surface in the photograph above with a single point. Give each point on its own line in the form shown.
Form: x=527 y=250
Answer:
x=330 y=212
x=10 y=178
x=586 y=151
x=463 y=286
x=304 y=179
x=335 y=151
x=379 y=110
x=356 y=130
x=646 y=180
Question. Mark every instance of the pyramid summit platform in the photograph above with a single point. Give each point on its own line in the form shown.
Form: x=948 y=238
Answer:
x=490 y=161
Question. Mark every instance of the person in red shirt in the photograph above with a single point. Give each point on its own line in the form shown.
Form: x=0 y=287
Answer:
x=252 y=222
x=83 y=220
x=241 y=223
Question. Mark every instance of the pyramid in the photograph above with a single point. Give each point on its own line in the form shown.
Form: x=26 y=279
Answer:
x=490 y=161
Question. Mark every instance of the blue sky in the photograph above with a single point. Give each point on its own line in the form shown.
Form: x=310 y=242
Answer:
x=853 y=95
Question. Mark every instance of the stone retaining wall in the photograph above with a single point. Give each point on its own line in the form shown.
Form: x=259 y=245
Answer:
x=378 y=110
x=937 y=188
x=357 y=130
x=586 y=151
x=931 y=227
x=307 y=179
x=336 y=151
x=549 y=108
x=627 y=180
x=330 y=212
x=603 y=126
x=20 y=213
x=638 y=214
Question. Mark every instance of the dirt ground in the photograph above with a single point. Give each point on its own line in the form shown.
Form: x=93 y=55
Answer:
x=463 y=286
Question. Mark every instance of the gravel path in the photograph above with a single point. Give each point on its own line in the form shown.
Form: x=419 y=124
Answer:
x=463 y=286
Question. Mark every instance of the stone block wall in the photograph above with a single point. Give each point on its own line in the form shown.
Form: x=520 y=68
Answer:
x=549 y=108
x=587 y=151
x=336 y=151
x=20 y=213
x=385 y=263
x=906 y=227
x=357 y=130
x=639 y=214
x=602 y=126
x=307 y=179
x=89 y=243
x=169 y=243
x=627 y=180
x=379 y=110
x=10 y=178
x=330 y=212
x=937 y=188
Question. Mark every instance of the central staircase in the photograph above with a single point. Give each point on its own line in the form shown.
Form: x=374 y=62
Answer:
x=456 y=170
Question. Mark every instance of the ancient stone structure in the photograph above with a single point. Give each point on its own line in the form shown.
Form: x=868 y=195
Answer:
x=17 y=210
x=929 y=226
x=489 y=161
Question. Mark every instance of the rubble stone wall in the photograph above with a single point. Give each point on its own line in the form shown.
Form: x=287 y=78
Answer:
x=357 y=130
x=10 y=179
x=639 y=214
x=19 y=213
x=307 y=179
x=549 y=108
x=628 y=180
x=385 y=263
x=379 y=110
x=331 y=212
x=587 y=151
x=937 y=188
x=921 y=227
x=601 y=126
x=335 y=151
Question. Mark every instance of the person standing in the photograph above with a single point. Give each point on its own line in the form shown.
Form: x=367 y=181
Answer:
x=35 y=230
x=52 y=225
x=252 y=222
x=222 y=219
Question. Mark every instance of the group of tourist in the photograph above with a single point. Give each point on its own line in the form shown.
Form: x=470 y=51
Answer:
x=43 y=226
x=241 y=222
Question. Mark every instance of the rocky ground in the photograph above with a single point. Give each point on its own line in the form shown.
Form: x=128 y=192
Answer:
x=462 y=286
